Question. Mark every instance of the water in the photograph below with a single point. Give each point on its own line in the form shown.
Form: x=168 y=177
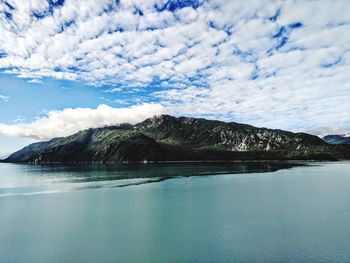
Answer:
x=247 y=212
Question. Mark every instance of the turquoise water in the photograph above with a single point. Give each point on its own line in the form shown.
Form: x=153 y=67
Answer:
x=250 y=212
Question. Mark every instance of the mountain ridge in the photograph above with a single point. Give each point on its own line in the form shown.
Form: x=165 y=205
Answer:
x=168 y=138
x=337 y=139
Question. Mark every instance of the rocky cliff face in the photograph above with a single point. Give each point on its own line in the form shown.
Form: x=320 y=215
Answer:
x=166 y=138
x=226 y=136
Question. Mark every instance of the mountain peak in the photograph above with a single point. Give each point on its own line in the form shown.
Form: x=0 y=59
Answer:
x=164 y=117
x=158 y=120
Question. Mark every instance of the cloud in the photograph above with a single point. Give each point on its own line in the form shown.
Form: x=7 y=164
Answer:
x=68 y=121
x=35 y=81
x=4 y=98
x=282 y=64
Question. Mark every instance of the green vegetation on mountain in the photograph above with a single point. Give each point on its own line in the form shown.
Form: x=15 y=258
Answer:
x=166 y=138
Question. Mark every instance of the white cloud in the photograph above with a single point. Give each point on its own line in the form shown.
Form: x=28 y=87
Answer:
x=68 y=121
x=4 y=98
x=35 y=81
x=282 y=64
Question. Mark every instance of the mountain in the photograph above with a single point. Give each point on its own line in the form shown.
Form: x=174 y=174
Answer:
x=4 y=156
x=167 y=138
x=337 y=139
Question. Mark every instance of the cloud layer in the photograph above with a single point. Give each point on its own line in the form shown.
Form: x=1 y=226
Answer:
x=69 y=121
x=281 y=64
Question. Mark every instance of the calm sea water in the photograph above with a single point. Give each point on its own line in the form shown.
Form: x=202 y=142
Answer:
x=247 y=212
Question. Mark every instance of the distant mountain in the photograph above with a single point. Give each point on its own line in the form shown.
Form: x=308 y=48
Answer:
x=337 y=139
x=167 y=138
x=4 y=156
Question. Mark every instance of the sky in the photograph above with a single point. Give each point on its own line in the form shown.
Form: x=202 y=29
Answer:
x=68 y=65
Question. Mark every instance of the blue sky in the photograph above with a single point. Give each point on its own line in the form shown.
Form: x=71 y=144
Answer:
x=67 y=65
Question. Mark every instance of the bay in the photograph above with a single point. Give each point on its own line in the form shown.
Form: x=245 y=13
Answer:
x=237 y=212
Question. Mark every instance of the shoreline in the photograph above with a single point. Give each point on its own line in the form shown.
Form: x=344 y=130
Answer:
x=189 y=162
